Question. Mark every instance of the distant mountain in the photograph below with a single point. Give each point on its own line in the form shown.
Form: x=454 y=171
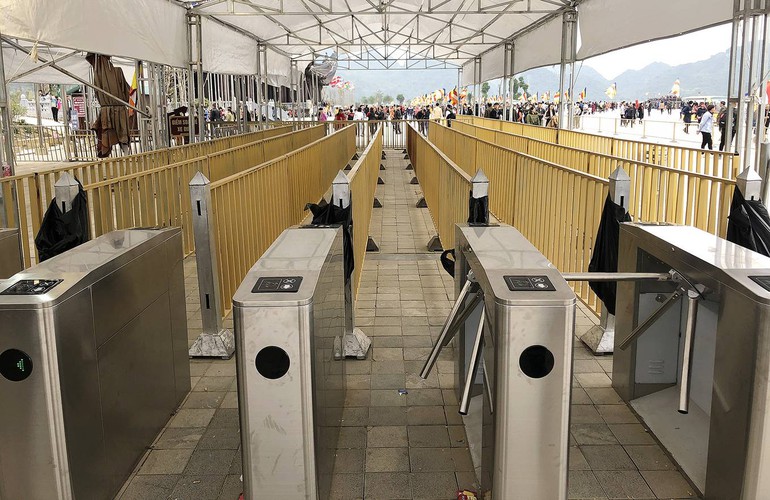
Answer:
x=708 y=77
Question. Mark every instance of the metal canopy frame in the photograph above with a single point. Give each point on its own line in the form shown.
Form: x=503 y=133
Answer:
x=462 y=34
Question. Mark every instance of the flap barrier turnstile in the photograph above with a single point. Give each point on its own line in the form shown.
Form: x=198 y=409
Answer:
x=93 y=358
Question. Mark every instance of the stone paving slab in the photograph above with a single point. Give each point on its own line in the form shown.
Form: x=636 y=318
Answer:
x=401 y=446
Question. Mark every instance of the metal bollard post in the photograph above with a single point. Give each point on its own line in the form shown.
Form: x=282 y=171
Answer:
x=750 y=184
x=66 y=189
x=601 y=338
x=355 y=343
x=214 y=341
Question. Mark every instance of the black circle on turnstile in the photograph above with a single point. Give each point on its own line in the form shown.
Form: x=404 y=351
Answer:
x=536 y=361
x=15 y=365
x=272 y=362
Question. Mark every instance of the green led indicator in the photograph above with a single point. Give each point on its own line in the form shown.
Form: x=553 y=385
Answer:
x=20 y=365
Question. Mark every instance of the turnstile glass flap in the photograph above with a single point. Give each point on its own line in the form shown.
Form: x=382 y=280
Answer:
x=52 y=281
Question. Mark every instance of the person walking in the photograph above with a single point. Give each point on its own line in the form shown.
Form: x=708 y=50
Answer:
x=706 y=126
x=722 y=123
x=54 y=108
x=686 y=113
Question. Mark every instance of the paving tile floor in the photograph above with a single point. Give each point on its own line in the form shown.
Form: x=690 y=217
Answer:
x=401 y=446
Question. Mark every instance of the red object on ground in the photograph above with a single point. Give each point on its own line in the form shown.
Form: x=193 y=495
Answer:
x=466 y=495
x=240 y=497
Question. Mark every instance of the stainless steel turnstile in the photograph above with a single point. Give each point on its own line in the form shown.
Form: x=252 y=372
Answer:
x=10 y=253
x=526 y=317
x=291 y=392
x=93 y=361
x=693 y=357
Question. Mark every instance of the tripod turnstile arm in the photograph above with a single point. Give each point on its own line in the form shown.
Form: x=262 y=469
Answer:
x=457 y=316
x=689 y=338
x=652 y=318
x=465 y=401
x=616 y=276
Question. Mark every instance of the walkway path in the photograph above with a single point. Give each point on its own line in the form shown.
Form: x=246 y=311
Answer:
x=400 y=446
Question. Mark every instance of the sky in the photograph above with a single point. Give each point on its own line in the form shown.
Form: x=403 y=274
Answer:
x=673 y=51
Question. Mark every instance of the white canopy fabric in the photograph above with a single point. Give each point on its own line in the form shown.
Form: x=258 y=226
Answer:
x=453 y=31
x=607 y=25
x=150 y=30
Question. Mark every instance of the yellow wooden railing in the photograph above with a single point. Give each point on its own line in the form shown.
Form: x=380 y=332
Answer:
x=157 y=196
x=557 y=206
x=658 y=193
x=363 y=186
x=444 y=186
x=713 y=163
x=251 y=209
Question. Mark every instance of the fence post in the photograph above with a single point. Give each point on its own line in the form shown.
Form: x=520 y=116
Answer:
x=354 y=343
x=601 y=338
x=214 y=341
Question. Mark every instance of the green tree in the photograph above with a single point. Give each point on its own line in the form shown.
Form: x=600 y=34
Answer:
x=378 y=97
x=387 y=99
x=400 y=98
x=484 y=89
x=17 y=110
x=518 y=86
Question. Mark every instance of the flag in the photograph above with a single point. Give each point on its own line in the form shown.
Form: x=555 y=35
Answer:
x=612 y=91
x=336 y=82
x=566 y=94
x=675 y=89
x=453 y=97
x=767 y=90
x=546 y=96
x=133 y=96
x=556 y=97
x=584 y=94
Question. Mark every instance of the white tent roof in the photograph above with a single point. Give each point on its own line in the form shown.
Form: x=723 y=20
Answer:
x=361 y=32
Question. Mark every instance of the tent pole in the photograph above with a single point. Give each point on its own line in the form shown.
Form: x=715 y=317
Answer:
x=39 y=117
x=732 y=96
x=505 y=82
x=7 y=157
x=512 y=66
x=569 y=20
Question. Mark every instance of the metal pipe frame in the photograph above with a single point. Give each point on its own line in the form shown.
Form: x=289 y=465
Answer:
x=71 y=75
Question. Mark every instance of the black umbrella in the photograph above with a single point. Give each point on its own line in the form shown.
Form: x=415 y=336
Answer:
x=749 y=224
x=605 y=255
x=62 y=231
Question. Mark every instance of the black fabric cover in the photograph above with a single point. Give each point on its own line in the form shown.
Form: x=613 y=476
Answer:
x=478 y=213
x=605 y=256
x=478 y=209
x=324 y=213
x=749 y=224
x=59 y=231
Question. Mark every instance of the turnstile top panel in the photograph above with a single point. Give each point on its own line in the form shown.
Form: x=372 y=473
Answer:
x=511 y=262
x=6 y=232
x=298 y=254
x=705 y=253
x=81 y=266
